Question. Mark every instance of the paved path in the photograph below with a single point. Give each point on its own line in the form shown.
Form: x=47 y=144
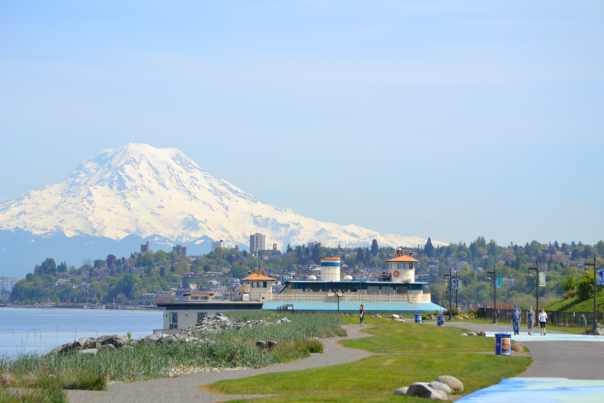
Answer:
x=572 y=358
x=186 y=388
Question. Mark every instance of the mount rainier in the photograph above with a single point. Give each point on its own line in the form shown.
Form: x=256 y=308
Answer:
x=122 y=197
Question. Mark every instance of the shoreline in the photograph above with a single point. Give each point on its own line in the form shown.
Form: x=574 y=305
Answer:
x=130 y=308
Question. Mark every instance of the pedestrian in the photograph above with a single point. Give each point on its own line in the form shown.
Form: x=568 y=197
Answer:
x=530 y=320
x=542 y=321
x=362 y=315
x=516 y=316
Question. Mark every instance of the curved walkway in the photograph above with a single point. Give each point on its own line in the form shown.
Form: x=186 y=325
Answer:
x=572 y=359
x=186 y=388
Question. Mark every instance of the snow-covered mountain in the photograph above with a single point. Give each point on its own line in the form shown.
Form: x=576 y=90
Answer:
x=144 y=191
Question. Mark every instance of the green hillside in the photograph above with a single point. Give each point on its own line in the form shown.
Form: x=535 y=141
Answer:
x=575 y=305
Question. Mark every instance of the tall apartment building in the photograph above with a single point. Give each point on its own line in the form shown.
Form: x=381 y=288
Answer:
x=181 y=251
x=218 y=245
x=257 y=242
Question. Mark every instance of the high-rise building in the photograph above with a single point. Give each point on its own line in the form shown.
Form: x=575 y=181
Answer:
x=257 y=242
x=218 y=245
x=181 y=251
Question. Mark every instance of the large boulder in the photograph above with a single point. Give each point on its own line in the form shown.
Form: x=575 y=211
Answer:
x=401 y=391
x=471 y=334
x=518 y=347
x=443 y=387
x=454 y=383
x=92 y=351
x=152 y=339
x=423 y=389
x=599 y=331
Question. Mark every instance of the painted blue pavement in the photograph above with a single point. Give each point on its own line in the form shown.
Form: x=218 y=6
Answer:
x=370 y=307
x=542 y=390
x=552 y=337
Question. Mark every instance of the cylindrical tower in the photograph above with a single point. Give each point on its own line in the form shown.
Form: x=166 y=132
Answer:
x=330 y=268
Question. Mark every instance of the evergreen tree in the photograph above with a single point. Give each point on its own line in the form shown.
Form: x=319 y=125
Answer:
x=429 y=248
x=556 y=245
x=374 y=247
x=48 y=266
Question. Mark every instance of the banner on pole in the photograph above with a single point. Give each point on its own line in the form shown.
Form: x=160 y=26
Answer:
x=454 y=284
x=600 y=276
x=499 y=281
x=541 y=279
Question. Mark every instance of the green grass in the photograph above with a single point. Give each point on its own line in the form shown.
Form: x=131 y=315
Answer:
x=414 y=352
x=574 y=305
x=536 y=329
x=232 y=348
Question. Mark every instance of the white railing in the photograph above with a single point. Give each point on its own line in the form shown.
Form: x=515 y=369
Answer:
x=350 y=297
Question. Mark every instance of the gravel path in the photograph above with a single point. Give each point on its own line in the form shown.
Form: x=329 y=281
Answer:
x=186 y=388
x=572 y=359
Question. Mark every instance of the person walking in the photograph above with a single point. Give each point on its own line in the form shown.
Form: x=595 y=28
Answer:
x=530 y=320
x=516 y=316
x=542 y=321
x=362 y=315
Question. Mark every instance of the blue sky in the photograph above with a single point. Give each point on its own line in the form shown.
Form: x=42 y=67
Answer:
x=442 y=119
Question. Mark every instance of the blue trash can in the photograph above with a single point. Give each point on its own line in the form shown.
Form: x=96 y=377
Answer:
x=440 y=320
x=503 y=344
x=418 y=318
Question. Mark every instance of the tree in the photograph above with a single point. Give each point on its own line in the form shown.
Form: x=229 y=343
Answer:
x=99 y=263
x=492 y=248
x=289 y=248
x=109 y=260
x=244 y=253
x=374 y=247
x=182 y=268
x=207 y=268
x=185 y=284
x=48 y=266
x=62 y=267
x=570 y=284
x=429 y=248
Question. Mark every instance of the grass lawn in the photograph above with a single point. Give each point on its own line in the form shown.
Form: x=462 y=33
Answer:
x=575 y=305
x=412 y=353
x=536 y=328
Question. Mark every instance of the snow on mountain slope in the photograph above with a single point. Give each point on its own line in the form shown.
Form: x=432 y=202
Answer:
x=141 y=190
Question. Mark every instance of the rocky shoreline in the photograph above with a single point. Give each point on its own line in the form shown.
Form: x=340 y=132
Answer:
x=213 y=324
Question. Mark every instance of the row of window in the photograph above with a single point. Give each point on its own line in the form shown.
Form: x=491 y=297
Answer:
x=334 y=289
x=258 y=284
x=174 y=318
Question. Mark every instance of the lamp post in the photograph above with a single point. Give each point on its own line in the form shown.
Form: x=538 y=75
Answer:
x=536 y=269
x=595 y=323
x=450 y=296
x=456 y=289
x=494 y=273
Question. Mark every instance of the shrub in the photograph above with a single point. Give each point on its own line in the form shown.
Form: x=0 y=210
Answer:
x=569 y=294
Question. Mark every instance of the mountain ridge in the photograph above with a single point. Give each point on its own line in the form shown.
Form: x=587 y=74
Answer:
x=145 y=191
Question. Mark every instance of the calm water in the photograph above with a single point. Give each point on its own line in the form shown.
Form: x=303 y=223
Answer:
x=27 y=330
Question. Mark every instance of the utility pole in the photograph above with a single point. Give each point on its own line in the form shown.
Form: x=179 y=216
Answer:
x=456 y=289
x=494 y=273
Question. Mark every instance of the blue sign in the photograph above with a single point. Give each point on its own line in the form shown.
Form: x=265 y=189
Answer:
x=600 y=276
x=454 y=284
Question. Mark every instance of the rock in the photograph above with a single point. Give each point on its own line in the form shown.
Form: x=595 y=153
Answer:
x=260 y=344
x=443 y=387
x=107 y=339
x=464 y=334
x=481 y=334
x=471 y=334
x=599 y=332
x=458 y=317
x=399 y=320
x=272 y=344
x=92 y=351
x=401 y=391
x=152 y=339
x=166 y=339
x=376 y=317
x=285 y=320
x=394 y=316
x=518 y=346
x=110 y=347
x=454 y=383
x=423 y=389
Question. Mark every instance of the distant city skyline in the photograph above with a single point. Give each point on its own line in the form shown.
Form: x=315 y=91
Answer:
x=440 y=120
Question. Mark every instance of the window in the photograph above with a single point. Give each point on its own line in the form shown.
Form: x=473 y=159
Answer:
x=410 y=266
x=194 y=298
x=258 y=284
x=306 y=289
x=316 y=289
x=264 y=284
x=253 y=285
x=173 y=320
x=201 y=315
x=353 y=289
x=344 y=289
x=400 y=266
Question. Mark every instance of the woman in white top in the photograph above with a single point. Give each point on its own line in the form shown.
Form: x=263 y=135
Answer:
x=542 y=321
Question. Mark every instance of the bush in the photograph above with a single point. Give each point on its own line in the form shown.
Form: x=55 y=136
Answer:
x=453 y=310
x=569 y=294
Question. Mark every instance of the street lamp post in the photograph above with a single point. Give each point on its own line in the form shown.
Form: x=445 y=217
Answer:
x=456 y=289
x=595 y=322
x=536 y=269
x=494 y=273
x=450 y=296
